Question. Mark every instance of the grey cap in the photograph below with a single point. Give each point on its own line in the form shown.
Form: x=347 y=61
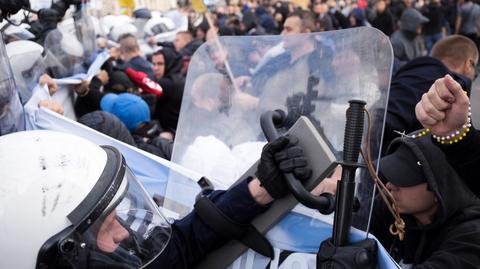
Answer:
x=411 y=19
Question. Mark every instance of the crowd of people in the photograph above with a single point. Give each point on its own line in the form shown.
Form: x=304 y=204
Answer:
x=413 y=27
x=158 y=77
x=136 y=98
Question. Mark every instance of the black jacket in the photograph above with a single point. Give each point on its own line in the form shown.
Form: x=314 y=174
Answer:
x=408 y=85
x=384 y=22
x=452 y=240
x=435 y=14
x=168 y=105
x=191 y=47
x=91 y=101
x=465 y=158
x=192 y=239
x=137 y=63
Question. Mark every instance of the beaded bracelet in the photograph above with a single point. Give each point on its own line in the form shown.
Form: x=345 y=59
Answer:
x=458 y=135
x=455 y=137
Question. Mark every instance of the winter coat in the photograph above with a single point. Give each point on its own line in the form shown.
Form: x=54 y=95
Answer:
x=168 y=105
x=452 y=240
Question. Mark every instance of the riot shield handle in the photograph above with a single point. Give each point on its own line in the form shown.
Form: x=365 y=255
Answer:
x=325 y=203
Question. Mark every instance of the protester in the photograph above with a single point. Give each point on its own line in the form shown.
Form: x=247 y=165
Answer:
x=467 y=20
x=406 y=41
x=444 y=110
x=90 y=94
x=167 y=66
x=129 y=108
x=339 y=20
x=357 y=18
x=134 y=113
x=185 y=44
x=455 y=55
x=108 y=124
x=434 y=30
x=383 y=18
x=131 y=55
x=324 y=19
x=440 y=212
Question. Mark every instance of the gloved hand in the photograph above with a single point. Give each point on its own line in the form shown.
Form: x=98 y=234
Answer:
x=361 y=255
x=144 y=82
x=282 y=155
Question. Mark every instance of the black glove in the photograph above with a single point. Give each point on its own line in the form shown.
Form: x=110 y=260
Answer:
x=361 y=255
x=278 y=157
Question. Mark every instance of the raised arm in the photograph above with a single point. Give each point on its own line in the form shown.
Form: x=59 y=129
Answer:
x=445 y=110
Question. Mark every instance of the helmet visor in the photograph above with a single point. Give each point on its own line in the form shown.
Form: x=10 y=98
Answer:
x=129 y=234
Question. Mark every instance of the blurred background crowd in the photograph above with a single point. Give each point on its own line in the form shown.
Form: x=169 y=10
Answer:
x=151 y=43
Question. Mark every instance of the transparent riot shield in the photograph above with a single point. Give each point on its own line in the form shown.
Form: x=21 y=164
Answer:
x=233 y=81
x=64 y=54
x=27 y=69
x=12 y=118
x=64 y=57
x=85 y=32
x=315 y=75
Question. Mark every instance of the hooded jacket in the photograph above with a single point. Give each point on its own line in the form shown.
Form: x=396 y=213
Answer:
x=405 y=43
x=173 y=83
x=452 y=240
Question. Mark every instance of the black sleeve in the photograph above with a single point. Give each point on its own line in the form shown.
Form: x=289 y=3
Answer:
x=91 y=101
x=107 y=66
x=192 y=239
x=166 y=146
x=166 y=44
x=168 y=86
x=459 y=250
x=158 y=146
x=464 y=156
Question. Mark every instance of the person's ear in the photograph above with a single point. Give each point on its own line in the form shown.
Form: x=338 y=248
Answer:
x=469 y=67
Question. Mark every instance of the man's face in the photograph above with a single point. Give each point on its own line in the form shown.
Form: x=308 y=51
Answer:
x=180 y=42
x=413 y=200
x=126 y=43
x=317 y=7
x=380 y=6
x=158 y=62
x=292 y=25
x=111 y=234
